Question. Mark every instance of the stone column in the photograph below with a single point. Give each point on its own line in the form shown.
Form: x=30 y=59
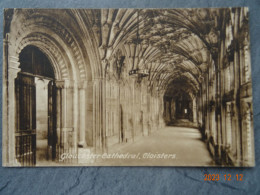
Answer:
x=75 y=115
x=103 y=116
x=194 y=106
x=133 y=106
x=82 y=107
x=95 y=134
x=60 y=87
x=146 y=117
x=5 y=116
x=62 y=113
x=99 y=114
x=236 y=96
x=12 y=70
x=119 y=113
x=67 y=114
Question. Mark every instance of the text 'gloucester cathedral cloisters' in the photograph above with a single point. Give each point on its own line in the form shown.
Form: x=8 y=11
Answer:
x=93 y=80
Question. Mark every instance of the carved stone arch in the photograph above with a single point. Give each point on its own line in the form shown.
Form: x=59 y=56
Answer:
x=56 y=56
x=90 y=44
x=52 y=31
x=69 y=64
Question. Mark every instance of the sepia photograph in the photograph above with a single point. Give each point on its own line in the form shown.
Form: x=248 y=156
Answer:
x=127 y=87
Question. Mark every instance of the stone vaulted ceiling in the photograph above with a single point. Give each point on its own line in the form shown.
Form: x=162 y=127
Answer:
x=170 y=43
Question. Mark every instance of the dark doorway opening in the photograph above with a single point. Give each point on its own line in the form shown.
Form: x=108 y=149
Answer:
x=35 y=90
x=183 y=106
x=180 y=104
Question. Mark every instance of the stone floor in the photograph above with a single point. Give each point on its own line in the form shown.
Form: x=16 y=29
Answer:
x=183 y=146
x=170 y=146
x=183 y=123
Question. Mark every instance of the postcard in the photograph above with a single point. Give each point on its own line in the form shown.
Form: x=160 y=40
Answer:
x=127 y=87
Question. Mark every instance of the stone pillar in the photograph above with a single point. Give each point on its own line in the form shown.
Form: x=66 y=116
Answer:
x=103 y=111
x=12 y=70
x=61 y=113
x=237 y=91
x=82 y=117
x=161 y=110
x=99 y=114
x=144 y=110
x=67 y=118
x=60 y=87
x=146 y=117
x=5 y=116
x=119 y=112
x=75 y=115
x=194 y=106
x=95 y=134
x=134 y=106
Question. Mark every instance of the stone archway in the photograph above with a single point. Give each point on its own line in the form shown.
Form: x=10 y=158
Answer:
x=73 y=80
x=35 y=100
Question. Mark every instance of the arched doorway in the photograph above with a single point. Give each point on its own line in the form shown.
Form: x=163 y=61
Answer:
x=36 y=136
x=180 y=108
x=183 y=106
